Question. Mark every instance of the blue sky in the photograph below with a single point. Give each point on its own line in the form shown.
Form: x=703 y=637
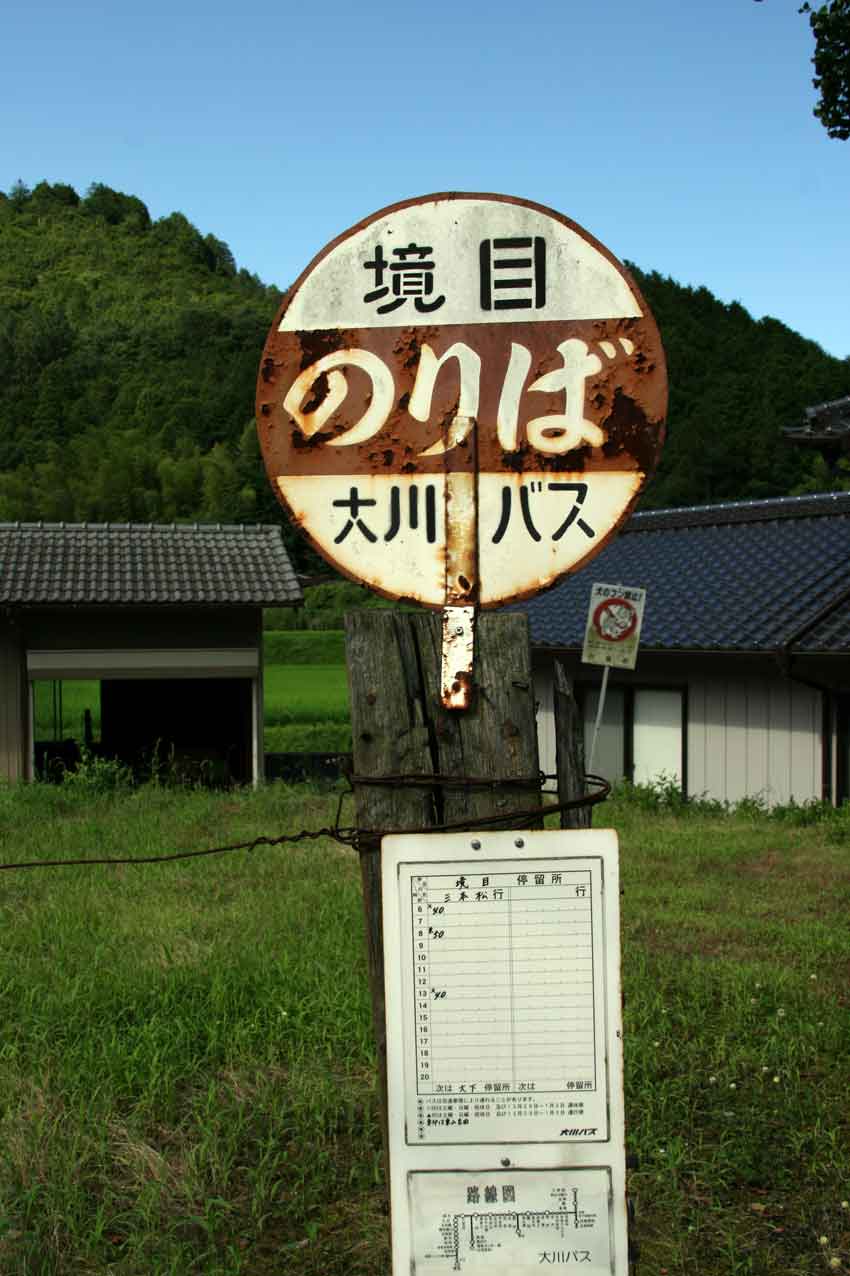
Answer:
x=680 y=134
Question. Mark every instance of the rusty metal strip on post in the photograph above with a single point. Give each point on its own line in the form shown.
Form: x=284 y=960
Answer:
x=462 y=586
x=458 y=650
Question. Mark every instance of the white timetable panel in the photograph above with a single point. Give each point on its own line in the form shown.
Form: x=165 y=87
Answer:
x=504 y=1053
x=505 y=1018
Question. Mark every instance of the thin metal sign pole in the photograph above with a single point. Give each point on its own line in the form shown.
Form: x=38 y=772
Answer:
x=599 y=711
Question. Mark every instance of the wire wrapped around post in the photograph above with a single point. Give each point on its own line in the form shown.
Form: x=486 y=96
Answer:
x=370 y=840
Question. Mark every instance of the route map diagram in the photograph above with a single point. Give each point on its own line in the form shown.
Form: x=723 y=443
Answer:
x=493 y=1222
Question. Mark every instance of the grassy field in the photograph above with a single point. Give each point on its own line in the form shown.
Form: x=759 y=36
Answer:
x=306 y=708
x=186 y=1068
x=63 y=717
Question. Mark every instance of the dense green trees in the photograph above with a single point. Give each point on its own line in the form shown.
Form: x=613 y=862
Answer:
x=734 y=383
x=128 y=352
x=129 y=349
x=830 y=24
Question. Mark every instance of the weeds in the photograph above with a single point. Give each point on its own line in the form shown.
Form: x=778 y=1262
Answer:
x=186 y=1060
x=94 y=776
x=663 y=796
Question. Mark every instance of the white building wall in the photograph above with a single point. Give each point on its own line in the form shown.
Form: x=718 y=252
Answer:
x=754 y=737
x=746 y=737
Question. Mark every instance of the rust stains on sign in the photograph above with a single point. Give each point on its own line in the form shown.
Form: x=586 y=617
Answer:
x=460 y=400
x=626 y=398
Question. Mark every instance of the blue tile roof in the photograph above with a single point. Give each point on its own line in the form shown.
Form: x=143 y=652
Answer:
x=743 y=576
x=132 y=564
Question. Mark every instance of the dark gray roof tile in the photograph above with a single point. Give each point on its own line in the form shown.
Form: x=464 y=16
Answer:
x=743 y=576
x=131 y=564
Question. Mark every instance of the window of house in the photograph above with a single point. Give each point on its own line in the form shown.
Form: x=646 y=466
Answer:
x=609 y=756
x=656 y=735
x=640 y=735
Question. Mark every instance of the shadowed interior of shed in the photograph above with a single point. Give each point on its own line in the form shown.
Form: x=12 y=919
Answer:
x=195 y=728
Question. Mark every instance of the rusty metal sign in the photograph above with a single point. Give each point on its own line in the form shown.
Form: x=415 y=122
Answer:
x=459 y=401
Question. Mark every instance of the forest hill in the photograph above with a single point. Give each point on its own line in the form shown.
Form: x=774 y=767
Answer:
x=129 y=350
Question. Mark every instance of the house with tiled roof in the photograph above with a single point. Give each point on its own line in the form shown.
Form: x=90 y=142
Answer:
x=166 y=619
x=742 y=684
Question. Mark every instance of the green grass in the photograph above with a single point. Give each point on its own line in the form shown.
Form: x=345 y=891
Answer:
x=77 y=696
x=308 y=737
x=306 y=709
x=186 y=1067
x=304 y=647
x=305 y=693
x=736 y=961
x=186 y=1071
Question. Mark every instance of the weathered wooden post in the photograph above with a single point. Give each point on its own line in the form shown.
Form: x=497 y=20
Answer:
x=569 y=751
x=413 y=759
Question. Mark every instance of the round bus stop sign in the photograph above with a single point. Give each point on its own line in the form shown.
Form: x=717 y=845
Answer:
x=461 y=398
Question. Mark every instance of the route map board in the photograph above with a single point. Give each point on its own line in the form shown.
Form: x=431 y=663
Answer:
x=504 y=1052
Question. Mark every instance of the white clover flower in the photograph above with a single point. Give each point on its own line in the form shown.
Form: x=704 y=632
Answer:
x=776 y=1080
x=711 y=1080
x=765 y=1068
x=823 y=1240
x=781 y=1013
x=732 y=1085
x=812 y=976
x=845 y=1205
x=834 y=1262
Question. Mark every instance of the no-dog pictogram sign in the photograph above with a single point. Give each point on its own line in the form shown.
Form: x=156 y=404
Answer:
x=613 y=626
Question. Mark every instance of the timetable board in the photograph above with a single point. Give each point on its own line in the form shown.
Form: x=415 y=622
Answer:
x=508 y=1026
x=504 y=1052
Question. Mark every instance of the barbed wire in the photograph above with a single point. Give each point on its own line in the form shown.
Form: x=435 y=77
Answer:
x=369 y=840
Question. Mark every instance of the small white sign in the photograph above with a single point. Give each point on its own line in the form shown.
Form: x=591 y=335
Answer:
x=612 y=631
x=511 y=1221
x=504 y=1052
